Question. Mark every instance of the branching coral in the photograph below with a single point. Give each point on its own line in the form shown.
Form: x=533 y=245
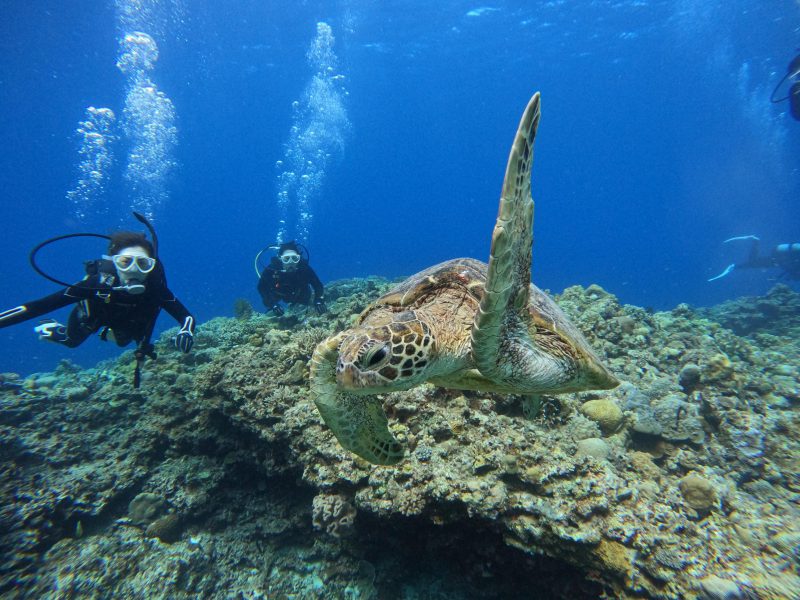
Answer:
x=242 y=309
x=307 y=339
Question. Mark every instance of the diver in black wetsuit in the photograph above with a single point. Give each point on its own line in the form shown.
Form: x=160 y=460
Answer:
x=289 y=278
x=783 y=256
x=121 y=296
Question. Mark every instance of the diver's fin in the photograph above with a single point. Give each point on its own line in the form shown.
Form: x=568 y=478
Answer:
x=727 y=270
x=739 y=238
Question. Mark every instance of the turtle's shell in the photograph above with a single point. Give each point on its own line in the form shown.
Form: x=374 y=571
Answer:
x=460 y=277
x=460 y=274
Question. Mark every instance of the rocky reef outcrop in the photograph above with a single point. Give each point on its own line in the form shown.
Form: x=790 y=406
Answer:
x=217 y=478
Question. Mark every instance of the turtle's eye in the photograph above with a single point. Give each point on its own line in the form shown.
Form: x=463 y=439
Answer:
x=375 y=355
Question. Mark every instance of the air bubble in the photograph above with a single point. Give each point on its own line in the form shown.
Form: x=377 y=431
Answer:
x=95 y=137
x=317 y=135
x=148 y=123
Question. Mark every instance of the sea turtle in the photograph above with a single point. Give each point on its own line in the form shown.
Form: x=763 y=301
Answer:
x=460 y=324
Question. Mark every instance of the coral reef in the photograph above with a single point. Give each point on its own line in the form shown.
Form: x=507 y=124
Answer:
x=217 y=479
x=605 y=413
x=776 y=313
x=333 y=513
x=146 y=508
x=242 y=309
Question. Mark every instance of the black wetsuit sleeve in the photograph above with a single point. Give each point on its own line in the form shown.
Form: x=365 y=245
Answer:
x=42 y=306
x=176 y=309
x=319 y=290
x=265 y=289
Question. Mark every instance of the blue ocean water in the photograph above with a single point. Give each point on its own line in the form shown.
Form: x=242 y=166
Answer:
x=657 y=141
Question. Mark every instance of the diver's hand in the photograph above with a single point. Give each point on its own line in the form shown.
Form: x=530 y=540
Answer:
x=320 y=307
x=185 y=338
x=184 y=341
x=277 y=310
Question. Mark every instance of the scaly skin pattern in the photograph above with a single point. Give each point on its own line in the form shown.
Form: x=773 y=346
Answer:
x=357 y=421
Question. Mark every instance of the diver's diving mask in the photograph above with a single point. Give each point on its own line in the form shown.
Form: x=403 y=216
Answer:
x=290 y=258
x=127 y=263
x=132 y=265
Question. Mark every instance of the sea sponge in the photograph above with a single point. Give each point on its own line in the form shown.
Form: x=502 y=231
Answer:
x=146 y=508
x=689 y=377
x=615 y=557
x=605 y=413
x=167 y=528
x=698 y=492
x=718 y=368
x=333 y=513
x=594 y=447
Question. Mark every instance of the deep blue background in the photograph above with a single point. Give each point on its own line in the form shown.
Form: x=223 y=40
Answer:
x=657 y=141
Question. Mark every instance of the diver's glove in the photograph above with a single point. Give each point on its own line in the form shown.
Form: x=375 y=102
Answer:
x=277 y=310
x=320 y=307
x=52 y=331
x=185 y=338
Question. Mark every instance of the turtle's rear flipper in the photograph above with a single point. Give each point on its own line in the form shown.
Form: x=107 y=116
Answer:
x=505 y=303
x=358 y=422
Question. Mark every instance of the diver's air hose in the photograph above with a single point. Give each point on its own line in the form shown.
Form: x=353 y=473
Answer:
x=32 y=255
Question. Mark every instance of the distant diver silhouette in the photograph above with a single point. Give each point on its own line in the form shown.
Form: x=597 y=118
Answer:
x=289 y=278
x=792 y=74
x=783 y=256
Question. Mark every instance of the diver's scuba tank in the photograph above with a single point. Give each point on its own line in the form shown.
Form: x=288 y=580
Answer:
x=788 y=249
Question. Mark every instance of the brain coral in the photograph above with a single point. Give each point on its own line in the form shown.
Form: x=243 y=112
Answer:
x=333 y=513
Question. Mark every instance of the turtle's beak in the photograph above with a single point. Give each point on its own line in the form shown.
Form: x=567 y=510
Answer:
x=344 y=377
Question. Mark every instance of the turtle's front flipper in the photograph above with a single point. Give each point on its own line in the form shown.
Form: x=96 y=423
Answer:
x=505 y=303
x=358 y=422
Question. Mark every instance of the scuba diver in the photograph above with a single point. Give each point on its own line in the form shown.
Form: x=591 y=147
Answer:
x=121 y=296
x=793 y=74
x=783 y=256
x=289 y=278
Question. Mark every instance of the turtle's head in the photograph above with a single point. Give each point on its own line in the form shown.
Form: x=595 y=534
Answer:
x=390 y=357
